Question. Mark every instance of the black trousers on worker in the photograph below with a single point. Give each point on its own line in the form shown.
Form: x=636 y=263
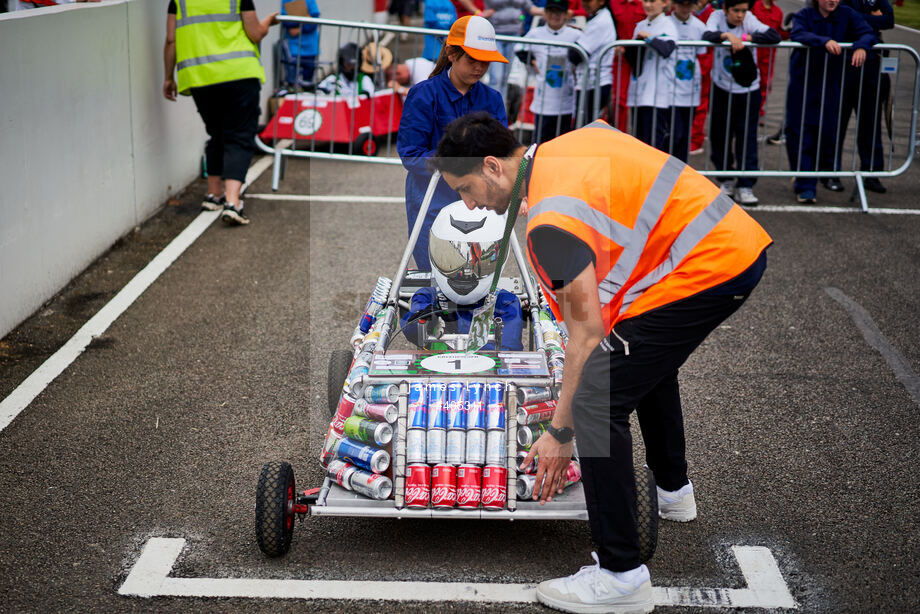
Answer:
x=230 y=111
x=613 y=384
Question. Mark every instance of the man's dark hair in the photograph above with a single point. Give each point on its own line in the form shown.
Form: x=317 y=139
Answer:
x=730 y=3
x=468 y=140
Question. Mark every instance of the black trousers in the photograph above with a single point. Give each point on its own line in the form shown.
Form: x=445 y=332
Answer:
x=733 y=129
x=603 y=97
x=613 y=384
x=548 y=127
x=679 y=136
x=865 y=92
x=230 y=112
x=652 y=126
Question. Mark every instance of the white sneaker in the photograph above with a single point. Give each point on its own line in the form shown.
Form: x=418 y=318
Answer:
x=679 y=505
x=594 y=589
x=728 y=188
x=746 y=196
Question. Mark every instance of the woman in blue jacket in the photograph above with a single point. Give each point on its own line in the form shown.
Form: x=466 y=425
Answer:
x=815 y=77
x=300 y=46
x=452 y=90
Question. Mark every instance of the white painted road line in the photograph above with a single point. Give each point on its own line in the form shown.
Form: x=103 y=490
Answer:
x=810 y=209
x=874 y=337
x=150 y=578
x=329 y=198
x=32 y=386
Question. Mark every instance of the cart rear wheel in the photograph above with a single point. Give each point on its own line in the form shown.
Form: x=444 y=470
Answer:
x=646 y=513
x=366 y=145
x=275 y=498
x=339 y=363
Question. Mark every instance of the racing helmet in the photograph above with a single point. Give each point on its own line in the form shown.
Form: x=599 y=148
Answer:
x=463 y=248
x=348 y=60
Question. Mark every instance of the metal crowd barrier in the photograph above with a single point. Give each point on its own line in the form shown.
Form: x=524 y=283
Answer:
x=309 y=124
x=899 y=113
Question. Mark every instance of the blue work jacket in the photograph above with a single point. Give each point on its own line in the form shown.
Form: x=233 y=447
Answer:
x=307 y=44
x=844 y=25
x=430 y=106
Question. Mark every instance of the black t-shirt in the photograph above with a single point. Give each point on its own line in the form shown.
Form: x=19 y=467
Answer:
x=562 y=255
x=245 y=5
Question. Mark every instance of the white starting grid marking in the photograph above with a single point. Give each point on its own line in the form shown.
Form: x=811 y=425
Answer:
x=150 y=578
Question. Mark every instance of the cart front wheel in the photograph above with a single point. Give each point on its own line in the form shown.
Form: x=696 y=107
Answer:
x=275 y=498
x=366 y=145
x=339 y=364
x=646 y=513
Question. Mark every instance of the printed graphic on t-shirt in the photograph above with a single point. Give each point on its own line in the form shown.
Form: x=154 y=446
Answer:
x=684 y=70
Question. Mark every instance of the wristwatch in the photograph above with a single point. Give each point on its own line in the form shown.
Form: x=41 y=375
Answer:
x=563 y=435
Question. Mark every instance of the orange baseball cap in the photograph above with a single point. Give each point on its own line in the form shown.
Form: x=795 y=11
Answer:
x=477 y=37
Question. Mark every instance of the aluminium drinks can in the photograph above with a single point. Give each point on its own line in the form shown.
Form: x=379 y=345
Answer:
x=340 y=472
x=418 y=406
x=382 y=393
x=343 y=412
x=363 y=456
x=372 y=485
x=381 y=412
x=530 y=467
x=532 y=414
x=416 y=448
x=496 y=447
x=368 y=431
x=436 y=444
x=330 y=443
x=455 y=453
x=443 y=486
x=476 y=406
x=527 y=434
x=494 y=487
x=476 y=447
x=469 y=486
x=495 y=406
x=437 y=405
x=456 y=406
x=418 y=486
x=525 y=485
x=528 y=395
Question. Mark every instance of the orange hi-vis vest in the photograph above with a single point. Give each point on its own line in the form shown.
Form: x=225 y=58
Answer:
x=660 y=231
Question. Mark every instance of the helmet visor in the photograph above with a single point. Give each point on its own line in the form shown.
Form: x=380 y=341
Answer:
x=463 y=263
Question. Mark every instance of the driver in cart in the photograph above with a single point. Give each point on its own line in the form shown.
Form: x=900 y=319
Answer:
x=463 y=249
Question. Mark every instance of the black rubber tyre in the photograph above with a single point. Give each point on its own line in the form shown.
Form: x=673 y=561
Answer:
x=366 y=145
x=275 y=498
x=646 y=513
x=339 y=363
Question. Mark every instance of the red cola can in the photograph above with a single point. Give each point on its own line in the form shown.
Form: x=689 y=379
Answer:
x=443 y=486
x=418 y=486
x=343 y=413
x=469 y=486
x=494 y=487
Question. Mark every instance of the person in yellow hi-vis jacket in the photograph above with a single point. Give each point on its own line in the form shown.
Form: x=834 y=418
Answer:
x=213 y=44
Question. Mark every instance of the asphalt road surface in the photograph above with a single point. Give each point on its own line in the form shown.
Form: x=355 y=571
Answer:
x=801 y=415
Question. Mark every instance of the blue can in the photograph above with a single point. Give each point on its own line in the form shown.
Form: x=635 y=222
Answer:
x=476 y=407
x=495 y=407
x=437 y=406
x=418 y=406
x=362 y=455
x=456 y=407
x=370 y=314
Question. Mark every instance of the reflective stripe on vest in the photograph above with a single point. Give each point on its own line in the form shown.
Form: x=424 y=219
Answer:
x=207 y=59
x=233 y=15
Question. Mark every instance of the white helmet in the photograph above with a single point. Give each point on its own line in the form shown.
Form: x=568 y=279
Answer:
x=463 y=247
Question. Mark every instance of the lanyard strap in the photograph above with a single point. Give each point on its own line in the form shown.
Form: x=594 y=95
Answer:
x=513 y=209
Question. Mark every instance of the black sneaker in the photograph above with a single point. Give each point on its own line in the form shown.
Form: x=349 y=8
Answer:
x=874 y=185
x=213 y=203
x=833 y=184
x=234 y=216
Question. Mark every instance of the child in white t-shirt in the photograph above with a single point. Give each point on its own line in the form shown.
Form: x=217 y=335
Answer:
x=735 y=103
x=598 y=33
x=687 y=78
x=554 y=95
x=651 y=88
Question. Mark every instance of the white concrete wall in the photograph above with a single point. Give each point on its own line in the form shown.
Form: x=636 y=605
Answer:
x=89 y=148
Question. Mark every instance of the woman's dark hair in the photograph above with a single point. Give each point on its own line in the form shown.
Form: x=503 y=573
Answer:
x=468 y=140
x=444 y=59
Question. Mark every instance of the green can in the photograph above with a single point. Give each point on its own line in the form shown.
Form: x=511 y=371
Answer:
x=368 y=431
